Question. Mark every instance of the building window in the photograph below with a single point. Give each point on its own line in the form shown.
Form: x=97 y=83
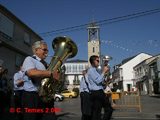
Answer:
x=6 y=26
x=74 y=68
x=69 y=68
x=129 y=86
x=27 y=39
x=93 y=49
x=19 y=60
x=76 y=80
x=80 y=68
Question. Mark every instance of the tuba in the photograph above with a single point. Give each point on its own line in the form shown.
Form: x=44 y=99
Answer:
x=64 y=48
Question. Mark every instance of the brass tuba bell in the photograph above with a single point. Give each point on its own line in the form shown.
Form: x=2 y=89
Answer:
x=64 y=48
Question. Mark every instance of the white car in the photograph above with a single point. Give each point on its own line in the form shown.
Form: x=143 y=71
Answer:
x=58 y=97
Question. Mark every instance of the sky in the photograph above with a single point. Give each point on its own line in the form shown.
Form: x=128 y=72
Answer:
x=120 y=40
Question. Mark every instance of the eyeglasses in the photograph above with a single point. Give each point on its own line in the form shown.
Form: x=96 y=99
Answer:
x=46 y=50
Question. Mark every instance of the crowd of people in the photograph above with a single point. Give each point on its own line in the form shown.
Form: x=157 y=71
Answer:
x=26 y=82
x=27 y=79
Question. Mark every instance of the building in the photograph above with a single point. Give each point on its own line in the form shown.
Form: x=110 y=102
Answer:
x=142 y=76
x=147 y=76
x=124 y=76
x=154 y=75
x=16 y=39
x=73 y=72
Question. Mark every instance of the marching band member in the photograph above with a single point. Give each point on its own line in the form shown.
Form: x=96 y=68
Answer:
x=35 y=70
x=96 y=86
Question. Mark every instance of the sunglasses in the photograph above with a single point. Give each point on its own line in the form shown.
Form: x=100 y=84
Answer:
x=46 y=50
x=97 y=60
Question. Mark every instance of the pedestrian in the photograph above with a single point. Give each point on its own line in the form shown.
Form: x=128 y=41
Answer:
x=96 y=81
x=85 y=97
x=18 y=91
x=5 y=91
x=2 y=93
x=35 y=69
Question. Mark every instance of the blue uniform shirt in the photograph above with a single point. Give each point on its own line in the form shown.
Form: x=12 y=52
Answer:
x=18 y=76
x=95 y=79
x=32 y=63
x=83 y=85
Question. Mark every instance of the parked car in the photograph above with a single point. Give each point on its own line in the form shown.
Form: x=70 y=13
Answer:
x=58 y=97
x=68 y=93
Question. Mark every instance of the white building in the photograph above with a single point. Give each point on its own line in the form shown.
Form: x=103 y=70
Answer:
x=126 y=72
x=73 y=72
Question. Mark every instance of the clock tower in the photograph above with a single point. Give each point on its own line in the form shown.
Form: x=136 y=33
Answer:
x=93 y=40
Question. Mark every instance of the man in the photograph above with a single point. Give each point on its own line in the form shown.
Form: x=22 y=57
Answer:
x=35 y=70
x=18 y=91
x=2 y=93
x=85 y=97
x=5 y=90
x=96 y=81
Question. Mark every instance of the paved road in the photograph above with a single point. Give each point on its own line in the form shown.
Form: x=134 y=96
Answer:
x=70 y=110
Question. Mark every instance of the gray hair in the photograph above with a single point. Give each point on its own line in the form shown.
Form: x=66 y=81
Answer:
x=37 y=44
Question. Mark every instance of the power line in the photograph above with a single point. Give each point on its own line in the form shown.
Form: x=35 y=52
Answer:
x=101 y=22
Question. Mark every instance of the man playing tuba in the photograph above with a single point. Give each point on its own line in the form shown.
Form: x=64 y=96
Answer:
x=41 y=82
x=35 y=70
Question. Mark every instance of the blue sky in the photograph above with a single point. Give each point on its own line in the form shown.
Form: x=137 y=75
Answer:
x=120 y=40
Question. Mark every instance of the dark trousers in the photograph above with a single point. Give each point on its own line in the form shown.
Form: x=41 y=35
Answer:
x=85 y=105
x=18 y=103
x=97 y=98
x=107 y=108
x=35 y=109
x=99 y=101
x=2 y=102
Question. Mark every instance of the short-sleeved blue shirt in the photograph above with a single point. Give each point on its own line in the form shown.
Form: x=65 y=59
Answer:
x=28 y=64
x=18 y=76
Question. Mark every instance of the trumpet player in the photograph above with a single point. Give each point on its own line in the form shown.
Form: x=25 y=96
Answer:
x=96 y=80
x=35 y=69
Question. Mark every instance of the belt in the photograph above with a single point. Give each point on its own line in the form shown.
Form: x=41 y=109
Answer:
x=84 y=92
x=32 y=92
x=96 y=90
x=18 y=91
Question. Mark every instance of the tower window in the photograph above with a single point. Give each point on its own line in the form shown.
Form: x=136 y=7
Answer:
x=93 y=49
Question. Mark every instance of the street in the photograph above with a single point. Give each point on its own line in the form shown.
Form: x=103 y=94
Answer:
x=70 y=110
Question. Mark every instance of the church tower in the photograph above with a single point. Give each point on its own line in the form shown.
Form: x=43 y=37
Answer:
x=93 y=40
